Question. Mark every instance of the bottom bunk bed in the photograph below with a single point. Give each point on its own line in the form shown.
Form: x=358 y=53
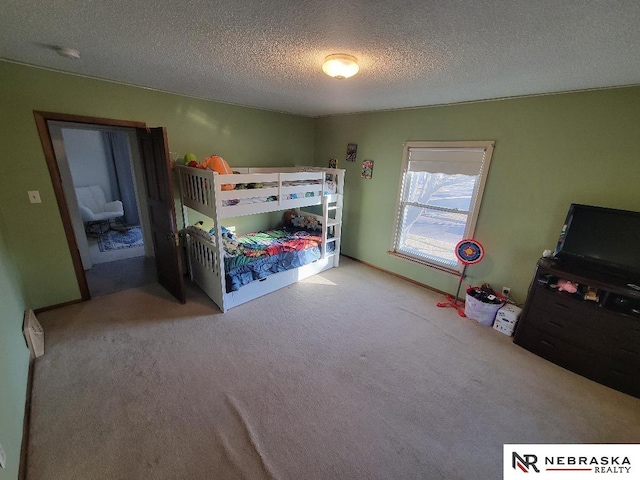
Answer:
x=257 y=263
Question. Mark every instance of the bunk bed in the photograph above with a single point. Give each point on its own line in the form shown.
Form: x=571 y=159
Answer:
x=230 y=280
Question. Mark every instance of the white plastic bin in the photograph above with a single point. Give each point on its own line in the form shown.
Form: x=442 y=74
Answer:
x=483 y=313
x=506 y=319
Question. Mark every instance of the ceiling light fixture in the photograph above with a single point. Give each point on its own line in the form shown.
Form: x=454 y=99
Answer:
x=67 y=52
x=340 y=66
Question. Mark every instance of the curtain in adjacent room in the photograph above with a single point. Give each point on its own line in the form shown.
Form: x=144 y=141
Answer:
x=117 y=149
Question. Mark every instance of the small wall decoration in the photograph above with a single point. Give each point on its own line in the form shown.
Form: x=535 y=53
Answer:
x=352 y=149
x=367 y=169
x=333 y=163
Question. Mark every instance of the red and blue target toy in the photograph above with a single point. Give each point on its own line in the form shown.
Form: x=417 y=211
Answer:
x=469 y=252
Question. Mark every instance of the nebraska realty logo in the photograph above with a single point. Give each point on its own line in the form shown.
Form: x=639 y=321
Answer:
x=571 y=461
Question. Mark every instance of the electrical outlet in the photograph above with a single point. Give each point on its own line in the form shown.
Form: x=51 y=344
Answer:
x=3 y=458
x=506 y=291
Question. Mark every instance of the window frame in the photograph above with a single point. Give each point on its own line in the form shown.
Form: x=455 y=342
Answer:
x=476 y=200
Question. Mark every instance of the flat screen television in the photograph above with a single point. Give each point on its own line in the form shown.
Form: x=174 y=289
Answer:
x=602 y=239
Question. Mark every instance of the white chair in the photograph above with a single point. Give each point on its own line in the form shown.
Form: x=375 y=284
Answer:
x=95 y=210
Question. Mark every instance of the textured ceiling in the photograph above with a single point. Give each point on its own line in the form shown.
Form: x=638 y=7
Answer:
x=268 y=53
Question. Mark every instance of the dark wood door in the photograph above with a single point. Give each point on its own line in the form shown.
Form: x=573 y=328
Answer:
x=161 y=206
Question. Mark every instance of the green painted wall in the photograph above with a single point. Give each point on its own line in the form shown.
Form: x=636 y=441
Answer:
x=14 y=358
x=549 y=151
x=33 y=248
x=243 y=136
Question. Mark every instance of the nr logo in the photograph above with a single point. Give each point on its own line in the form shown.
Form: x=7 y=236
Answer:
x=524 y=462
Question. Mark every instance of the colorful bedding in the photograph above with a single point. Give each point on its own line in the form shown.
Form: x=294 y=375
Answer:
x=258 y=255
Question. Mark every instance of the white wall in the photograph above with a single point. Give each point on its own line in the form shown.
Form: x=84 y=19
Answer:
x=59 y=148
x=88 y=161
x=79 y=142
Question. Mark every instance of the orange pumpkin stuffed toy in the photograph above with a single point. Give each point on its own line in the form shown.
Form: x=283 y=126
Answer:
x=218 y=164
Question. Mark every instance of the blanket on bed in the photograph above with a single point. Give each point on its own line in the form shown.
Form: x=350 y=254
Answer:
x=245 y=249
x=257 y=255
x=266 y=253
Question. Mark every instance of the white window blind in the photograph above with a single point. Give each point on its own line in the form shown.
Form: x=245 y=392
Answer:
x=439 y=199
x=449 y=161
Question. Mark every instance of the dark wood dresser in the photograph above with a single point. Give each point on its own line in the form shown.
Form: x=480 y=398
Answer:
x=599 y=339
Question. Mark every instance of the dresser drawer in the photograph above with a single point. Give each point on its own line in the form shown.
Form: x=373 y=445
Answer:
x=624 y=346
x=625 y=353
x=625 y=325
x=558 y=351
x=565 y=305
x=564 y=327
x=587 y=314
x=621 y=376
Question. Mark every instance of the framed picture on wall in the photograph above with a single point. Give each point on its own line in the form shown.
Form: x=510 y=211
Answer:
x=352 y=150
x=333 y=163
x=367 y=169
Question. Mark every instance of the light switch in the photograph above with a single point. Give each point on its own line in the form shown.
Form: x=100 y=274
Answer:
x=34 y=196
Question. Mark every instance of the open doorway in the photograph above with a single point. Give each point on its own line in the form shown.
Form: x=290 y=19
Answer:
x=152 y=171
x=104 y=192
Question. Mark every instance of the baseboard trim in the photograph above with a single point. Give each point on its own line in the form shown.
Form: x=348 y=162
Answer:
x=26 y=423
x=397 y=275
x=58 y=305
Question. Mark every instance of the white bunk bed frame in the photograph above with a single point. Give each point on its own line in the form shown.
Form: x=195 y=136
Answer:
x=201 y=190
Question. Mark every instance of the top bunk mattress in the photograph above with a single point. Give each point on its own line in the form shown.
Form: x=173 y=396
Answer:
x=224 y=196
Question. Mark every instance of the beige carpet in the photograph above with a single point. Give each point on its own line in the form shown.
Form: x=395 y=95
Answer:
x=352 y=374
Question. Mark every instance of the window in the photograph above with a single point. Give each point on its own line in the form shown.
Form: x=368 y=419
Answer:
x=439 y=199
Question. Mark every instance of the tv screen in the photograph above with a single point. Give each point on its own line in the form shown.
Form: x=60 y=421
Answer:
x=604 y=239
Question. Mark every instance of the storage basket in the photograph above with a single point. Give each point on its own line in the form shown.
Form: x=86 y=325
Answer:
x=481 y=312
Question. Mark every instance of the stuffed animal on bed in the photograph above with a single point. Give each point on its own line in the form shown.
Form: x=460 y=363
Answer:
x=287 y=217
x=306 y=222
x=218 y=164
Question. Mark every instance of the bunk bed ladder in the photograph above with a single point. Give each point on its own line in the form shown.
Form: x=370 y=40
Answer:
x=331 y=226
x=339 y=178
